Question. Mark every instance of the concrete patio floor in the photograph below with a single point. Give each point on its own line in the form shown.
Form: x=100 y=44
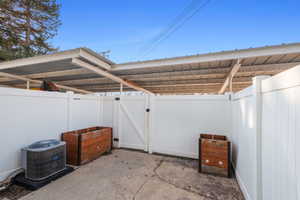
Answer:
x=131 y=175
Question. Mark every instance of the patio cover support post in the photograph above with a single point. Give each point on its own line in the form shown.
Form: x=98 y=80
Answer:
x=230 y=85
x=28 y=85
x=40 y=82
x=106 y=74
x=235 y=68
x=121 y=89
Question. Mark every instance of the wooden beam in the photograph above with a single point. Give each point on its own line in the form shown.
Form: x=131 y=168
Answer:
x=40 y=82
x=108 y=75
x=235 y=68
x=216 y=86
x=210 y=89
x=170 y=83
x=169 y=87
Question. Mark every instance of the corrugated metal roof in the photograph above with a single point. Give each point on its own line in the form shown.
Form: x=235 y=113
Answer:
x=202 y=73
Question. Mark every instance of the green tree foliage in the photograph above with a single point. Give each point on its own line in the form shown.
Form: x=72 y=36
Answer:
x=26 y=26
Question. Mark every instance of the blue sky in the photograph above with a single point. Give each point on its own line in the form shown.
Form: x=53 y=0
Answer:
x=126 y=26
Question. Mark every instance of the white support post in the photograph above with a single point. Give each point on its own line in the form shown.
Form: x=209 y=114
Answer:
x=257 y=92
x=28 y=85
x=230 y=84
x=228 y=80
x=121 y=89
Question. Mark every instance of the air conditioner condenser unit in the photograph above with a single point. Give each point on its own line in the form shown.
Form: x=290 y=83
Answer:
x=43 y=159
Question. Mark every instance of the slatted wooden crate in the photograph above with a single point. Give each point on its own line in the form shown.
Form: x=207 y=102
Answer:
x=88 y=144
x=214 y=155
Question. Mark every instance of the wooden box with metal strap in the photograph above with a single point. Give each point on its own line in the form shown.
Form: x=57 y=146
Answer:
x=87 y=144
x=214 y=155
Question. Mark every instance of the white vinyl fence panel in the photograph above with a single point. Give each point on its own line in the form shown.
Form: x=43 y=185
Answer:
x=85 y=111
x=243 y=141
x=178 y=121
x=265 y=138
x=280 y=136
x=107 y=114
x=28 y=116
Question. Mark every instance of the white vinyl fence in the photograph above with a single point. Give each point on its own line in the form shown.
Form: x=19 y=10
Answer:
x=262 y=122
x=243 y=141
x=247 y=138
x=162 y=124
x=177 y=121
x=167 y=124
x=281 y=136
x=28 y=116
x=265 y=136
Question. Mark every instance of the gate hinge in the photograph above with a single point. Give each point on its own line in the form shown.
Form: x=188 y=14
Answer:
x=116 y=139
x=117 y=98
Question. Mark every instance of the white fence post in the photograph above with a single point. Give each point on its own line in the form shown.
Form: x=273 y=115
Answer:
x=257 y=93
x=99 y=108
x=117 y=120
x=148 y=111
x=230 y=98
x=150 y=123
x=69 y=109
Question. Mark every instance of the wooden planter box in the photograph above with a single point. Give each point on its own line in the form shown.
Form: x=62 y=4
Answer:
x=87 y=144
x=214 y=155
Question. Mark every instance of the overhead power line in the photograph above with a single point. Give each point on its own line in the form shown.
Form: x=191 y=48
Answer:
x=187 y=13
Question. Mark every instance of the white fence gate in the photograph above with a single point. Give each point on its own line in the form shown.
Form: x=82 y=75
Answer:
x=172 y=125
x=132 y=122
x=129 y=118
